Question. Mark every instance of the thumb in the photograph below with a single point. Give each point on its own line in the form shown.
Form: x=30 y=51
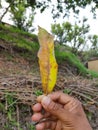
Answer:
x=54 y=108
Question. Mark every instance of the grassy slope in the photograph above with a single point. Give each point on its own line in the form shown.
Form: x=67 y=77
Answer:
x=18 y=38
x=74 y=60
x=29 y=42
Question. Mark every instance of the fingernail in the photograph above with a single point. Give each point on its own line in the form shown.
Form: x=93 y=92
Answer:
x=46 y=100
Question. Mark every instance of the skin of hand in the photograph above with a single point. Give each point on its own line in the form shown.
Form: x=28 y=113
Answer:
x=65 y=112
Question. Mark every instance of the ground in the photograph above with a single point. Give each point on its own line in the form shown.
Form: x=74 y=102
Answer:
x=20 y=84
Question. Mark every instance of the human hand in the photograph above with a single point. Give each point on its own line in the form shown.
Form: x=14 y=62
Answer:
x=64 y=112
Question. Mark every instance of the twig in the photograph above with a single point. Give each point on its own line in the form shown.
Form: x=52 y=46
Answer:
x=17 y=111
x=13 y=103
x=86 y=97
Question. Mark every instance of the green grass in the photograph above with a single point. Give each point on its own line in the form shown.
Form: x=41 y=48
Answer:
x=73 y=60
x=25 y=43
x=18 y=31
x=38 y=92
x=19 y=38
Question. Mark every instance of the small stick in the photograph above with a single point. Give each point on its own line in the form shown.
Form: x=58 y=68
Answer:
x=43 y=120
x=17 y=111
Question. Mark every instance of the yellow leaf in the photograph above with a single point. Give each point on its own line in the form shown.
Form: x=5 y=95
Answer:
x=47 y=61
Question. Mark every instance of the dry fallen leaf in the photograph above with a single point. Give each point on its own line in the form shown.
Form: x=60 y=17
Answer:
x=47 y=61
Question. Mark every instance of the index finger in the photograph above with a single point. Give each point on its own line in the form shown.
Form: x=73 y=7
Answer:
x=37 y=107
x=58 y=96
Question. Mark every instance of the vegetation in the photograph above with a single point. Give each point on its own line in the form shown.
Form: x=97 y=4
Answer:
x=19 y=39
x=75 y=36
x=11 y=112
x=73 y=60
x=24 y=40
x=18 y=9
x=63 y=7
x=72 y=35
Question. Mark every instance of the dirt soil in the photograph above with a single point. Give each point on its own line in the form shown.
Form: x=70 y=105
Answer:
x=21 y=78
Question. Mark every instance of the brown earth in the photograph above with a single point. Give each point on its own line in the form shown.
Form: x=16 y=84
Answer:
x=20 y=78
